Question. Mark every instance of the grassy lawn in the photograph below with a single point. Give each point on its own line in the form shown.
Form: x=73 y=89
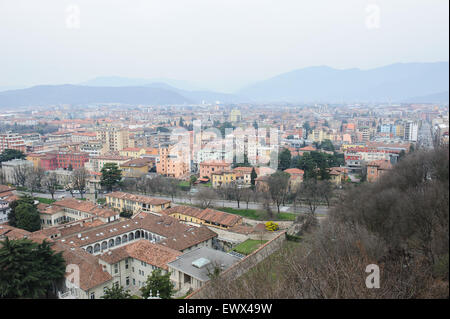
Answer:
x=257 y=214
x=45 y=200
x=248 y=246
x=184 y=184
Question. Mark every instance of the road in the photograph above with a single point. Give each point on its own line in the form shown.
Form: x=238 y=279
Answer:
x=321 y=210
x=424 y=136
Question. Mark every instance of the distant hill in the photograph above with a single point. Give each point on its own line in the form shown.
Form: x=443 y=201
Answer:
x=396 y=82
x=440 y=98
x=76 y=94
x=115 y=81
x=151 y=93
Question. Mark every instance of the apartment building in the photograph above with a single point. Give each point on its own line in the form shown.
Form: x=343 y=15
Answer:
x=114 y=139
x=211 y=167
x=223 y=179
x=64 y=160
x=12 y=141
x=172 y=163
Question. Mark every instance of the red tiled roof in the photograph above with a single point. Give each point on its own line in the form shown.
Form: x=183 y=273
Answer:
x=294 y=171
x=138 y=198
x=210 y=215
x=143 y=250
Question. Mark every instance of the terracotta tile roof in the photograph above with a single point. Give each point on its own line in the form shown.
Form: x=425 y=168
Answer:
x=308 y=148
x=9 y=197
x=80 y=205
x=13 y=232
x=91 y=272
x=164 y=226
x=138 y=162
x=243 y=169
x=104 y=212
x=381 y=164
x=5 y=188
x=138 y=198
x=338 y=170
x=189 y=237
x=296 y=171
x=215 y=163
x=210 y=215
x=143 y=250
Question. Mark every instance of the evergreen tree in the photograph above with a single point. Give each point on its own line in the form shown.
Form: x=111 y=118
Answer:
x=253 y=176
x=284 y=159
x=111 y=176
x=24 y=214
x=157 y=282
x=9 y=154
x=29 y=269
x=116 y=292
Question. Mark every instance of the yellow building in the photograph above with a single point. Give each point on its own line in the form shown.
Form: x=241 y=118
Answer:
x=399 y=130
x=135 y=203
x=35 y=159
x=113 y=138
x=235 y=115
x=320 y=134
x=223 y=179
x=133 y=152
x=136 y=167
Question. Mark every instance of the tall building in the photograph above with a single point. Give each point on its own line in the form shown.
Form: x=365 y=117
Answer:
x=12 y=141
x=411 y=130
x=172 y=163
x=113 y=138
x=235 y=116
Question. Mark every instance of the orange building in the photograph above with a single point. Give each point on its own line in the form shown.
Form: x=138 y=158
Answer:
x=376 y=168
x=295 y=178
x=171 y=165
x=211 y=167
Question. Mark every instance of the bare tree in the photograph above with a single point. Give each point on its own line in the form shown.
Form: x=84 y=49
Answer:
x=312 y=193
x=247 y=195
x=34 y=179
x=206 y=196
x=20 y=174
x=80 y=177
x=50 y=182
x=170 y=187
x=236 y=192
x=278 y=188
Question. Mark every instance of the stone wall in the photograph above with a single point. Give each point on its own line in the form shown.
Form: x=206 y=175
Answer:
x=244 y=265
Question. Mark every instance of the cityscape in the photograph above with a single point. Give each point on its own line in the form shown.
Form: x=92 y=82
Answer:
x=307 y=185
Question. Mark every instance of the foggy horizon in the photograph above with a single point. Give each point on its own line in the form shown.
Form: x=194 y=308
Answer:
x=221 y=46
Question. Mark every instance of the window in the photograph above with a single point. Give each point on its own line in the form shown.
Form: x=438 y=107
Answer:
x=127 y=281
x=116 y=268
x=126 y=263
x=134 y=282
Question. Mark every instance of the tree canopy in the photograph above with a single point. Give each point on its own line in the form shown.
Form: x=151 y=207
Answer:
x=111 y=176
x=157 y=282
x=9 y=154
x=116 y=292
x=29 y=269
x=24 y=214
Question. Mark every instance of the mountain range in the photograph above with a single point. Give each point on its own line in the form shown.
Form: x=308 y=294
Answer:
x=395 y=83
x=398 y=83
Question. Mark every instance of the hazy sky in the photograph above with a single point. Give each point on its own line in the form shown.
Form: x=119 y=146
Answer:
x=218 y=44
